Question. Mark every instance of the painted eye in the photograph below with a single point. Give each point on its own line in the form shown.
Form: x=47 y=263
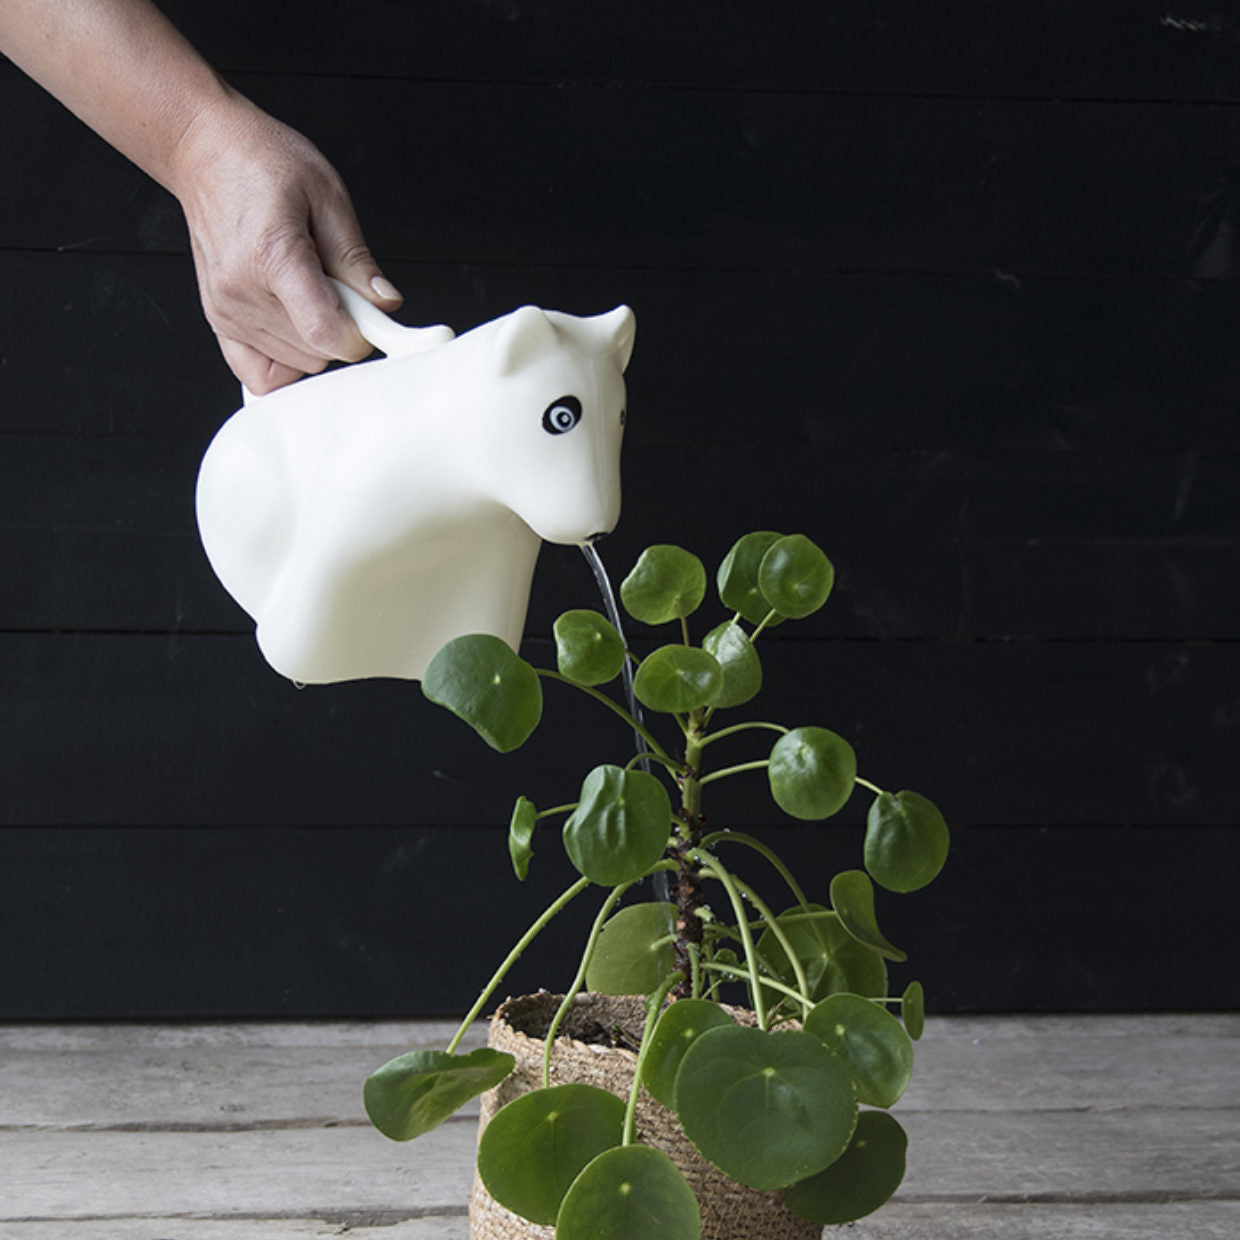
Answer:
x=562 y=415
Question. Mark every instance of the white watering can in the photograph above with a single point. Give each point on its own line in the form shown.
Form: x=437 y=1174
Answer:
x=366 y=516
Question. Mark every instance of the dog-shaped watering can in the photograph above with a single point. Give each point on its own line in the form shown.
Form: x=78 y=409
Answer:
x=366 y=516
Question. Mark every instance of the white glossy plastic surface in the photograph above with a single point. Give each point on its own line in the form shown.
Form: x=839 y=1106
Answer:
x=367 y=515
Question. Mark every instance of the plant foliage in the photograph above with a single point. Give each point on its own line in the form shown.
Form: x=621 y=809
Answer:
x=779 y=1104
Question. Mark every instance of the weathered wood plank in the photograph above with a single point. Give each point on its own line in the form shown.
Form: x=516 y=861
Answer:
x=118 y=1076
x=159 y=730
x=682 y=177
x=97 y=533
x=1126 y=48
x=211 y=1078
x=454 y=1226
x=300 y=1172
x=1202 y=1220
x=1065 y=1155
x=729 y=363
x=102 y=922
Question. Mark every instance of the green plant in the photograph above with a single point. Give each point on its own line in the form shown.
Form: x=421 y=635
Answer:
x=776 y=1105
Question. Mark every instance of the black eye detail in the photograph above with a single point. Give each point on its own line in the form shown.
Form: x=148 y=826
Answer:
x=562 y=415
x=624 y=416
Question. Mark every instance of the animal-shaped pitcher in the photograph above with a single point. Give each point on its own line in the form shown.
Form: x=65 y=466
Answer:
x=366 y=516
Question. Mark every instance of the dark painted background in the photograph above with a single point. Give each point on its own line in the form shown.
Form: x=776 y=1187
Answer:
x=950 y=287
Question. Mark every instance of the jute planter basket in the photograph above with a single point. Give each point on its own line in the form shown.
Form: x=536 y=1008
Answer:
x=591 y=1049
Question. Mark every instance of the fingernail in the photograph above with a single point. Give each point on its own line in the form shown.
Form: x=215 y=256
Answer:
x=385 y=289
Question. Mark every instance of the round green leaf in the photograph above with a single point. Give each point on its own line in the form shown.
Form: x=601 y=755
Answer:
x=666 y=583
x=632 y=1192
x=537 y=1145
x=738 y=576
x=479 y=679
x=736 y=656
x=795 y=577
x=852 y=897
x=906 y=841
x=521 y=836
x=871 y=1041
x=414 y=1093
x=865 y=1176
x=678 y=679
x=913 y=1009
x=768 y=1109
x=812 y=772
x=620 y=826
x=832 y=959
x=853 y=967
x=635 y=950
x=681 y=1024
x=588 y=650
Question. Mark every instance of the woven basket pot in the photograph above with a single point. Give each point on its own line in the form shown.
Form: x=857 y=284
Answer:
x=586 y=1051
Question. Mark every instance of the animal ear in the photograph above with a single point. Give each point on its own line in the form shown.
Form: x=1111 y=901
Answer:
x=524 y=335
x=616 y=330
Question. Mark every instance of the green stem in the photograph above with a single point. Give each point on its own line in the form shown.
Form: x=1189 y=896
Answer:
x=740 y=837
x=522 y=943
x=557 y=809
x=641 y=730
x=653 y=1004
x=671 y=763
x=733 y=970
x=724 y=772
x=742 y=727
x=684 y=631
x=716 y=871
x=695 y=967
x=782 y=939
x=865 y=783
x=770 y=615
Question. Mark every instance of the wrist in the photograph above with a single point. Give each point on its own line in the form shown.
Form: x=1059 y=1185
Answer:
x=215 y=128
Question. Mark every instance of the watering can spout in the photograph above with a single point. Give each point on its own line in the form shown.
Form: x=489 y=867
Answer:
x=366 y=516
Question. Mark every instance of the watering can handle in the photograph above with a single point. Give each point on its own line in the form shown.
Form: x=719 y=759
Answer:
x=386 y=334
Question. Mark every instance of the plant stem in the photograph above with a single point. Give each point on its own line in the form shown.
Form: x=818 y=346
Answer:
x=671 y=763
x=640 y=729
x=735 y=970
x=688 y=889
x=653 y=1004
x=770 y=615
x=735 y=770
x=557 y=809
x=740 y=837
x=742 y=727
x=522 y=943
x=865 y=783
x=715 y=870
x=772 y=923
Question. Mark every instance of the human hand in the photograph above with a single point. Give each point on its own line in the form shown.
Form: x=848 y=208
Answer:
x=269 y=220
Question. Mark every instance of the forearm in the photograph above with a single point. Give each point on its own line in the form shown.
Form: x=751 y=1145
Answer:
x=123 y=69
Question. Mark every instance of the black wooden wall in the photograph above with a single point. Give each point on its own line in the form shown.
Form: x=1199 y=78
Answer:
x=950 y=287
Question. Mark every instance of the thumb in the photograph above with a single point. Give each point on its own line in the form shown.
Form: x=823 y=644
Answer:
x=345 y=255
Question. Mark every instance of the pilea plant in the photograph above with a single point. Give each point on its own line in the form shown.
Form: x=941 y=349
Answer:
x=798 y=1099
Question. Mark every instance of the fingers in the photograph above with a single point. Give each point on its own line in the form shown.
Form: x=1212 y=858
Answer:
x=343 y=251
x=259 y=374
x=270 y=221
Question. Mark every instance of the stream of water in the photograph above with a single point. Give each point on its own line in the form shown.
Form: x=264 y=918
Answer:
x=662 y=890
x=612 y=609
